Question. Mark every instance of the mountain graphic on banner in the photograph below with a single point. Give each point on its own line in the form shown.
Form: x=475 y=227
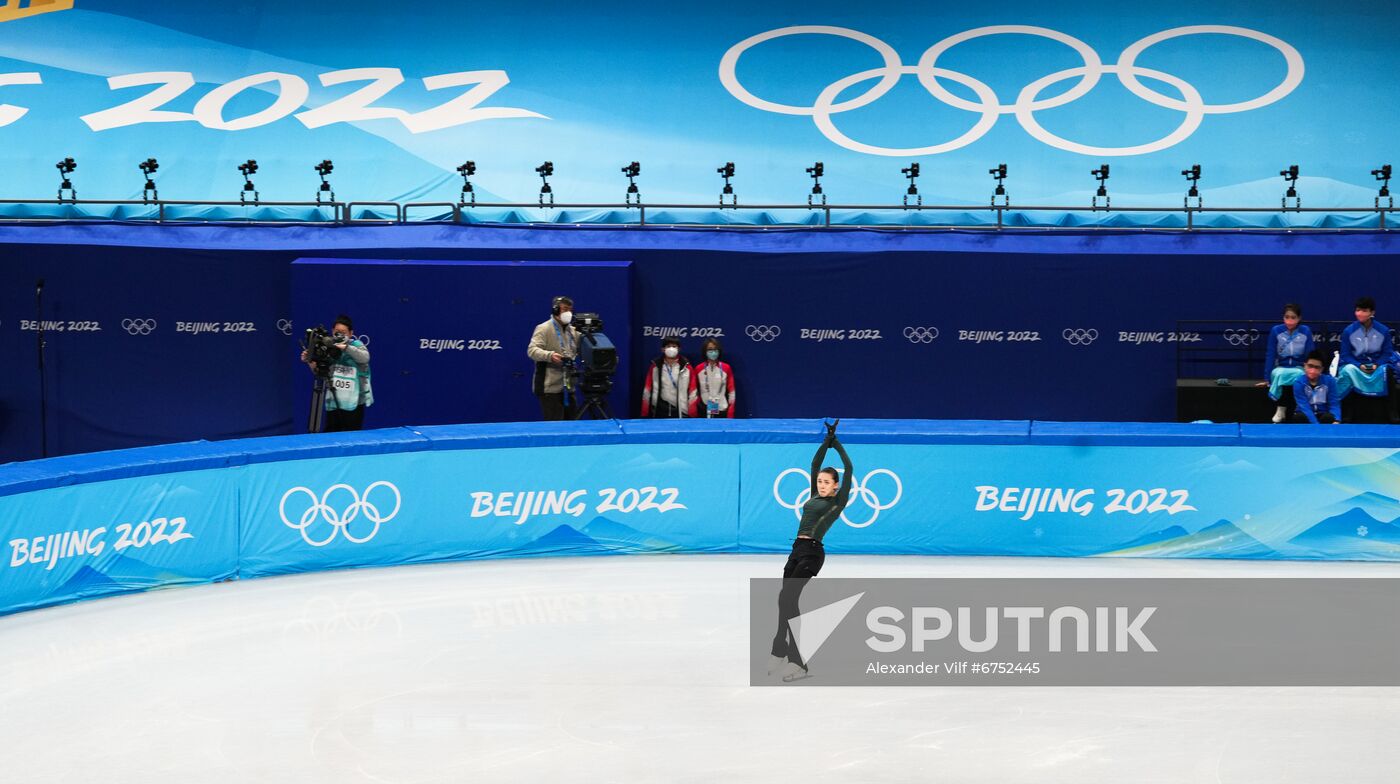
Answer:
x=1166 y=534
x=1381 y=507
x=118 y=574
x=1222 y=539
x=1348 y=532
x=599 y=535
x=561 y=540
x=613 y=534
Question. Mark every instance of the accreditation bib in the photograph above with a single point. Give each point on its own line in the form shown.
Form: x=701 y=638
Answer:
x=345 y=385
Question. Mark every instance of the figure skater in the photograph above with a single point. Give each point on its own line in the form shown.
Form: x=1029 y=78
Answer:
x=820 y=512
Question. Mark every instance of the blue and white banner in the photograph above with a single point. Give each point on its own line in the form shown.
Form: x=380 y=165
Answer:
x=391 y=499
x=437 y=506
x=68 y=543
x=400 y=97
x=1202 y=502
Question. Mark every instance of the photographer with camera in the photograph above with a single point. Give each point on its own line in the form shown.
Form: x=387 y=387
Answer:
x=553 y=347
x=341 y=366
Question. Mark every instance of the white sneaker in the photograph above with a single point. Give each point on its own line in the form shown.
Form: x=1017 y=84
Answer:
x=1279 y=414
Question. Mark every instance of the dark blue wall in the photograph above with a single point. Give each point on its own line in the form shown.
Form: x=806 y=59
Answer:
x=112 y=389
x=477 y=318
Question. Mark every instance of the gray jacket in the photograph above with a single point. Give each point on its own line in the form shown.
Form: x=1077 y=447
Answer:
x=549 y=377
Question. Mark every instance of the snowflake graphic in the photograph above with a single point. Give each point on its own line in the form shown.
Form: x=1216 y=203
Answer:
x=1039 y=532
x=1362 y=530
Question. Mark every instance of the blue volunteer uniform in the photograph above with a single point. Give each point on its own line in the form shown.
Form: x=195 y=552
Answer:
x=1284 y=354
x=1360 y=345
x=1322 y=398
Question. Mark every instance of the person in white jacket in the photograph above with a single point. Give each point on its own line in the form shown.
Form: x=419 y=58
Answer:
x=553 y=346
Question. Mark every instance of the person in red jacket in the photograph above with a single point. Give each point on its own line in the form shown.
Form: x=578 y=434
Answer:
x=668 y=391
x=712 y=384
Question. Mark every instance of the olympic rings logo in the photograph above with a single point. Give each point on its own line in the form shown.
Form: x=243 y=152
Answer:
x=364 y=339
x=921 y=334
x=1241 y=337
x=339 y=520
x=859 y=490
x=284 y=326
x=1080 y=337
x=763 y=333
x=1028 y=102
x=140 y=326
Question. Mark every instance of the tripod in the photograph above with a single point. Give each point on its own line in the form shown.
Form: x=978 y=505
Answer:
x=594 y=392
x=317 y=418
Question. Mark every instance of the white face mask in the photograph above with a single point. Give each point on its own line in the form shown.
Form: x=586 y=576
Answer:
x=566 y=317
x=671 y=352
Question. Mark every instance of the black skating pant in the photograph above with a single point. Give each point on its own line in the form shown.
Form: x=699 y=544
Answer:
x=802 y=565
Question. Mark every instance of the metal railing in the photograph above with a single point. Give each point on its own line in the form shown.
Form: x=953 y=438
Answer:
x=337 y=208
x=1244 y=359
x=343 y=213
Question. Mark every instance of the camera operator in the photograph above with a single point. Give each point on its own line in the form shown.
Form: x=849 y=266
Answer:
x=349 y=392
x=553 y=346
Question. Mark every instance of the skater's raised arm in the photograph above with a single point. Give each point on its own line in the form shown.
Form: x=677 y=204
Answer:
x=817 y=461
x=843 y=495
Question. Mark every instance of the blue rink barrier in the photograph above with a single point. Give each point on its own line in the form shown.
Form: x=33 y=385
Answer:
x=84 y=526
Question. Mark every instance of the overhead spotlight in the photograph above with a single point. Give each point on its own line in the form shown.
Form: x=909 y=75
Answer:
x=912 y=172
x=815 y=171
x=999 y=174
x=1290 y=176
x=1192 y=175
x=727 y=171
x=1101 y=174
x=1382 y=176
x=325 y=195
x=467 y=170
x=545 y=170
x=65 y=167
x=632 y=171
x=248 y=170
x=148 y=193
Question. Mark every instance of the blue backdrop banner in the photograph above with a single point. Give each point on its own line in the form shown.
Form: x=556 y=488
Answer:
x=861 y=323
x=88 y=526
x=1052 y=91
x=447 y=339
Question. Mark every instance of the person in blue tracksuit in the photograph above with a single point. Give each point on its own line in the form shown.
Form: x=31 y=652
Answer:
x=1367 y=350
x=1316 y=394
x=1288 y=346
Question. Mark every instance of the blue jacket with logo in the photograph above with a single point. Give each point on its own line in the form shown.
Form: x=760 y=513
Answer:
x=1285 y=349
x=1314 y=400
x=1366 y=346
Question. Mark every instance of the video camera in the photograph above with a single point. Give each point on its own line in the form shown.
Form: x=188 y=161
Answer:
x=322 y=347
x=597 y=356
x=591 y=373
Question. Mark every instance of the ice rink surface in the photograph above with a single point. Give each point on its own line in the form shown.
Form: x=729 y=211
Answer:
x=607 y=669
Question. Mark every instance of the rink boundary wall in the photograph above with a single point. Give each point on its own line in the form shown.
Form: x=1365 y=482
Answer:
x=242 y=514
